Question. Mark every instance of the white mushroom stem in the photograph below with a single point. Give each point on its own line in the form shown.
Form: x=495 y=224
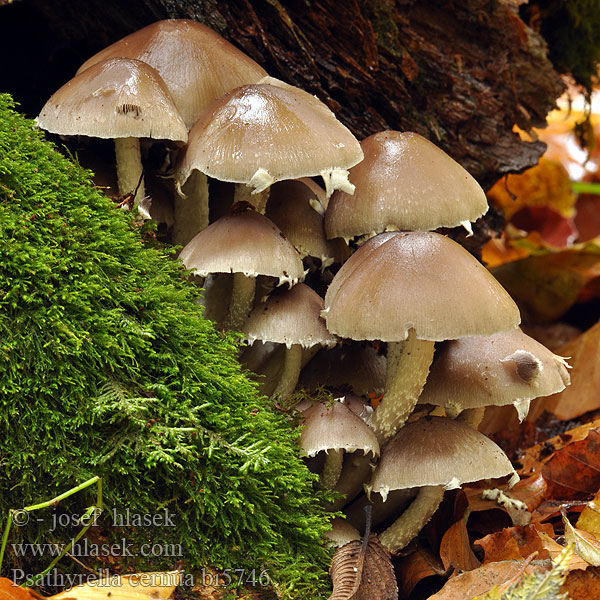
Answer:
x=129 y=167
x=191 y=208
x=332 y=468
x=244 y=193
x=413 y=519
x=289 y=376
x=240 y=305
x=355 y=472
x=408 y=364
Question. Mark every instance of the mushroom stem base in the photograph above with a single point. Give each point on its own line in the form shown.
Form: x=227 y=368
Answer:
x=240 y=305
x=413 y=519
x=408 y=364
x=129 y=167
x=332 y=468
x=191 y=210
x=289 y=376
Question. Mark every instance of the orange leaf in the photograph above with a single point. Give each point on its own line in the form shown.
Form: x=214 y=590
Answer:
x=11 y=591
x=417 y=566
x=514 y=543
x=583 y=585
x=455 y=549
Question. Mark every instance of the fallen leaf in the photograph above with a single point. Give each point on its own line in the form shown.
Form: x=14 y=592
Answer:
x=547 y=285
x=514 y=543
x=546 y=184
x=418 y=566
x=554 y=549
x=363 y=572
x=573 y=472
x=587 y=216
x=583 y=585
x=455 y=549
x=589 y=519
x=586 y=544
x=11 y=591
x=481 y=580
x=583 y=395
x=555 y=229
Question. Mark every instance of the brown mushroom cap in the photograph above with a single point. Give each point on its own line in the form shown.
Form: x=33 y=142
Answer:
x=289 y=317
x=116 y=98
x=245 y=243
x=436 y=451
x=260 y=134
x=336 y=427
x=405 y=183
x=423 y=281
x=197 y=64
x=503 y=368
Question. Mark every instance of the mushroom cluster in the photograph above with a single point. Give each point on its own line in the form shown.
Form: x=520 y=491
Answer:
x=414 y=320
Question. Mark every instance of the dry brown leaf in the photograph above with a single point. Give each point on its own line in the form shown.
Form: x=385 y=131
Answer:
x=515 y=543
x=481 y=580
x=583 y=395
x=417 y=566
x=358 y=575
x=583 y=585
x=11 y=591
x=455 y=549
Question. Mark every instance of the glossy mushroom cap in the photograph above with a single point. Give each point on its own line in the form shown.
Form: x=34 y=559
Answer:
x=197 y=64
x=289 y=317
x=405 y=183
x=423 y=281
x=116 y=98
x=260 y=134
x=504 y=368
x=245 y=243
x=336 y=427
x=435 y=451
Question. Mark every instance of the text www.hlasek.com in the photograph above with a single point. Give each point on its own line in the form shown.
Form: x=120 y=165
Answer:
x=84 y=548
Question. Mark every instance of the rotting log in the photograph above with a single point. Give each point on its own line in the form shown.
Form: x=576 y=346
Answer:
x=460 y=73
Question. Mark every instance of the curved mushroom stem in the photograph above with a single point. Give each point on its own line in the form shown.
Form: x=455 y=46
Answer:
x=289 y=376
x=413 y=519
x=191 y=208
x=471 y=416
x=356 y=471
x=243 y=193
x=129 y=167
x=408 y=364
x=332 y=468
x=240 y=305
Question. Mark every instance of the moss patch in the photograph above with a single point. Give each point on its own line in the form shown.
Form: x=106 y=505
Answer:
x=108 y=368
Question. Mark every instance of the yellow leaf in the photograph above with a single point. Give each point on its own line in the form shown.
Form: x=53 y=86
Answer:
x=586 y=544
x=589 y=519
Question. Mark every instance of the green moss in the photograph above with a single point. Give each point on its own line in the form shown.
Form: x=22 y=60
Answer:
x=108 y=368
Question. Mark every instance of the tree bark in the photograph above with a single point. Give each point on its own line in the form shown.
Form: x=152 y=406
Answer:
x=460 y=73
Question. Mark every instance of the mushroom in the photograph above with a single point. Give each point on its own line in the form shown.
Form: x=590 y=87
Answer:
x=433 y=454
x=335 y=429
x=259 y=134
x=120 y=99
x=291 y=317
x=246 y=244
x=503 y=368
x=405 y=183
x=411 y=289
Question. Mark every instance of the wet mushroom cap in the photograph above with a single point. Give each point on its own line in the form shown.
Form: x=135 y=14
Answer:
x=196 y=63
x=423 y=281
x=405 y=183
x=116 y=98
x=259 y=134
x=245 y=243
x=437 y=451
x=504 y=368
x=289 y=317
x=336 y=427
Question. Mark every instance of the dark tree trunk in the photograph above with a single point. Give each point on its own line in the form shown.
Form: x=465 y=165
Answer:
x=461 y=73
